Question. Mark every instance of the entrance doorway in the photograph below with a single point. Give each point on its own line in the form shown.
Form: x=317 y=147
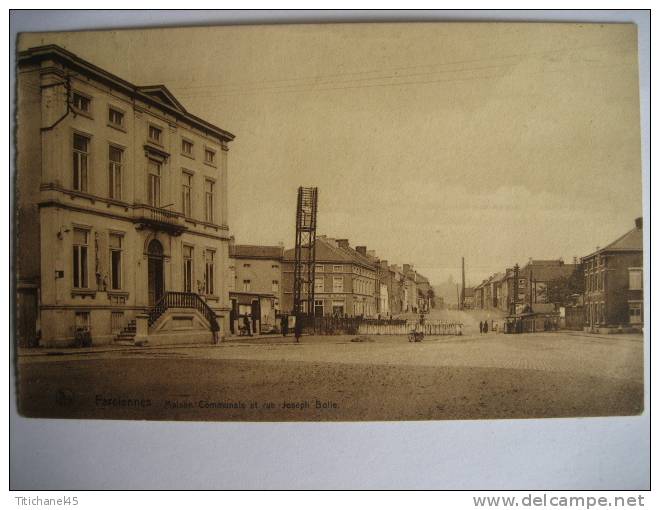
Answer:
x=155 y=272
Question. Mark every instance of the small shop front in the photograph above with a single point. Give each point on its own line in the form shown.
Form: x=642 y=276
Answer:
x=252 y=313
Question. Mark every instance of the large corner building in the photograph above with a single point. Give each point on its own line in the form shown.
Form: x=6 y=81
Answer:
x=121 y=209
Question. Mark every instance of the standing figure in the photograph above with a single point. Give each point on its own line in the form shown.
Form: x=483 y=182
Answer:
x=298 y=328
x=481 y=327
x=246 y=325
x=284 y=324
x=485 y=326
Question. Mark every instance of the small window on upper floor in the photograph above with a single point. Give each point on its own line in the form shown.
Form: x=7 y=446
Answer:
x=115 y=117
x=187 y=147
x=82 y=103
x=209 y=156
x=635 y=278
x=155 y=134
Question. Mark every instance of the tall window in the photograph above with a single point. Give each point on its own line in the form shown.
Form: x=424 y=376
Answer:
x=635 y=279
x=186 y=147
x=209 y=156
x=247 y=285
x=80 y=246
x=337 y=269
x=186 y=191
x=153 y=185
x=81 y=103
x=275 y=286
x=318 y=284
x=155 y=134
x=80 y=161
x=209 y=273
x=187 y=268
x=115 y=261
x=318 y=307
x=208 y=204
x=337 y=284
x=115 y=117
x=115 y=156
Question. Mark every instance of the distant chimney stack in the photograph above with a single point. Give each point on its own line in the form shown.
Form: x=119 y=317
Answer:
x=362 y=250
x=638 y=223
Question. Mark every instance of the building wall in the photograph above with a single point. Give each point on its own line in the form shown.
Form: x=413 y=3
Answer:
x=358 y=295
x=607 y=291
x=260 y=272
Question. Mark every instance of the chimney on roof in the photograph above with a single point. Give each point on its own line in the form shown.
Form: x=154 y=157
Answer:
x=342 y=243
x=406 y=268
x=638 y=223
x=362 y=250
x=383 y=264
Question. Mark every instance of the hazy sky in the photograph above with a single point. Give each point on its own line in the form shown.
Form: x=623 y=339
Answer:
x=498 y=142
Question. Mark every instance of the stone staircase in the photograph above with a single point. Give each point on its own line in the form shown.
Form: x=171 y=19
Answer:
x=127 y=335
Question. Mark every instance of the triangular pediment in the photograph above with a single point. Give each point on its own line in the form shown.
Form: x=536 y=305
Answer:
x=163 y=95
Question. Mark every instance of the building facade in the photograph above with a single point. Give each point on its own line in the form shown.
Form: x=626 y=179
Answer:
x=121 y=209
x=614 y=283
x=255 y=286
x=344 y=283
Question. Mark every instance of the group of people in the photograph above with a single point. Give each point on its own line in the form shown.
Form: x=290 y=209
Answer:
x=297 y=327
x=483 y=326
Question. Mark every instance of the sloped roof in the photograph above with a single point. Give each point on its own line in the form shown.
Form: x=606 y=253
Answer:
x=498 y=277
x=326 y=251
x=630 y=241
x=633 y=240
x=546 y=273
x=545 y=262
x=255 y=251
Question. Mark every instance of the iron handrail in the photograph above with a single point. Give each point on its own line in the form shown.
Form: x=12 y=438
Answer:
x=183 y=300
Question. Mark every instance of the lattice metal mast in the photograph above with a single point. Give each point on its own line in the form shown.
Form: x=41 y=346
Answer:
x=303 y=286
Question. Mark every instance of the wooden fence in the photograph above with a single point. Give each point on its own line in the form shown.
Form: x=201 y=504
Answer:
x=361 y=326
x=430 y=328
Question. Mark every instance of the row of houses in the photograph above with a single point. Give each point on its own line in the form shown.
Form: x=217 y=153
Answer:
x=121 y=222
x=603 y=291
x=510 y=290
x=349 y=282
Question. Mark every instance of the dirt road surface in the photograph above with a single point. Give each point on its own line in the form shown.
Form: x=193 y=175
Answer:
x=340 y=379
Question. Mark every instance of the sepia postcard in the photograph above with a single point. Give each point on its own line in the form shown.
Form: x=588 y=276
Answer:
x=329 y=222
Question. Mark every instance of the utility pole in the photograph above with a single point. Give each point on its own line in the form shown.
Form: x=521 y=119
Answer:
x=462 y=282
x=516 y=271
x=532 y=290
